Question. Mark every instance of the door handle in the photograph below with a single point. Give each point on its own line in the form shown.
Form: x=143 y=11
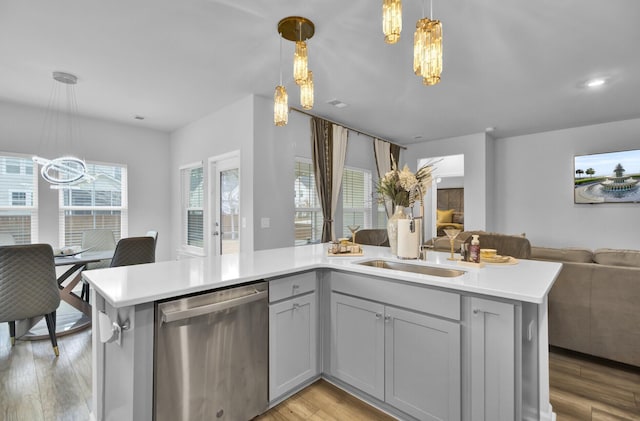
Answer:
x=172 y=316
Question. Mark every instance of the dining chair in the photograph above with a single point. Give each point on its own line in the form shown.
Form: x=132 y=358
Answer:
x=28 y=287
x=153 y=234
x=96 y=240
x=373 y=237
x=134 y=251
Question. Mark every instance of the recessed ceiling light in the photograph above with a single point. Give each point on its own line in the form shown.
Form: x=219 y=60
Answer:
x=337 y=103
x=594 y=83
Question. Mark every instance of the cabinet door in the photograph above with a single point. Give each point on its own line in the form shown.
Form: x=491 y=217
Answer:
x=357 y=343
x=492 y=361
x=422 y=374
x=292 y=343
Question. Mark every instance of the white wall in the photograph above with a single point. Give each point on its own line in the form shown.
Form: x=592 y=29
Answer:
x=534 y=188
x=144 y=151
x=477 y=174
x=227 y=130
x=275 y=151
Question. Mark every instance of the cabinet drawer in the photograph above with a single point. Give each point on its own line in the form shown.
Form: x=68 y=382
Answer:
x=290 y=286
x=413 y=297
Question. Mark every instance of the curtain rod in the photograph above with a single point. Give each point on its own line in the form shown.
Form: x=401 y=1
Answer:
x=346 y=127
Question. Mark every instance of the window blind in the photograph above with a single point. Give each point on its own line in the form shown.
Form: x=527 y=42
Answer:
x=101 y=204
x=192 y=192
x=308 y=213
x=18 y=200
x=356 y=199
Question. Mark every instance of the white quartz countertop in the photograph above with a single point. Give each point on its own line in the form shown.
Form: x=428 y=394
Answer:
x=528 y=281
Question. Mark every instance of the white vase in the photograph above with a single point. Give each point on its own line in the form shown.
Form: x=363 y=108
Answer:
x=392 y=228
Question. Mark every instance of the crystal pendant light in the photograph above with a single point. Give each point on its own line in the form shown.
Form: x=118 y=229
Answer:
x=391 y=20
x=306 y=92
x=300 y=63
x=427 y=50
x=280 y=100
x=280 y=106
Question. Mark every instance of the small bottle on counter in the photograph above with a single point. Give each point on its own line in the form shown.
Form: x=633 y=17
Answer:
x=474 y=249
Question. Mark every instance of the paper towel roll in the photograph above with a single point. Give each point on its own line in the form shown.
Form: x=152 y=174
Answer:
x=408 y=242
x=105 y=327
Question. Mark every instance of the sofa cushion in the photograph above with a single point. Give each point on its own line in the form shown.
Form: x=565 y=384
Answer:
x=613 y=257
x=578 y=255
x=444 y=215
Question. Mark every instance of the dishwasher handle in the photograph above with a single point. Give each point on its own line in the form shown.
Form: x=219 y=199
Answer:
x=173 y=316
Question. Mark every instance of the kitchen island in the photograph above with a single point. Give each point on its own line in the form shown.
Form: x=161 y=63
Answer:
x=485 y=331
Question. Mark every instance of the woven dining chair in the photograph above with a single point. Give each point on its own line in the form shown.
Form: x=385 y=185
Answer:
x=28 y=287
x=134 y=251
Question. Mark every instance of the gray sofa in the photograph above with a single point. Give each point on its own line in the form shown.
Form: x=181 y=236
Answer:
x=594 y=305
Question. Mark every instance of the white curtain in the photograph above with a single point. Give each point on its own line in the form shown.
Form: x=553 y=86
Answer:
x=340 y=135
x=382 y=151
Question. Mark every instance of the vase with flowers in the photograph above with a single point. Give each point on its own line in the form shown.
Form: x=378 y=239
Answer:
x=402 y=188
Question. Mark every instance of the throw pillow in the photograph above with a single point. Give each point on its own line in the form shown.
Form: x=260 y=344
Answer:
x=445 y=216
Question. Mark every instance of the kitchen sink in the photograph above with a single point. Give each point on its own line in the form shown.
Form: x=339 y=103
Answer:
x=407 y=267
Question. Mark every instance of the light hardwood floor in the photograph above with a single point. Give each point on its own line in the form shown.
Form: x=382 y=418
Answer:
x=34 y=385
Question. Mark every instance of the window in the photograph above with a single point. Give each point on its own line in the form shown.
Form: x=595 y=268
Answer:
x=192 y=188
x=381 y=220
x=356 y=199
x=18 y=200
x=101 y=204
x=308 y=213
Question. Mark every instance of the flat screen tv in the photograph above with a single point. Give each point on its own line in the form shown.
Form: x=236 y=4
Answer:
x=612 y=177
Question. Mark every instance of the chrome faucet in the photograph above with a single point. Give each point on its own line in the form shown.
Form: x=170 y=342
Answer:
x=412 y=224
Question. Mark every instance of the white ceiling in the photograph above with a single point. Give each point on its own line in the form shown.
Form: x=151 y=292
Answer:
x=514 y=65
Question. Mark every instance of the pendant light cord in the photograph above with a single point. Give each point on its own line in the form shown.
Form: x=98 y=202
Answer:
x=280 y=59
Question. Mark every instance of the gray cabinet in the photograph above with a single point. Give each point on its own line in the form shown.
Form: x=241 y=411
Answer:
x=422 y=365
x=405 y=358
x=357 y=343
x=293 y=333
x=493 y=361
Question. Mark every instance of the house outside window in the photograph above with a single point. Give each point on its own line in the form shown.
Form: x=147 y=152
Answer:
x=18 y=200
x=308 y=213
x=100 y=204
x=192 y=192
x=356 y=199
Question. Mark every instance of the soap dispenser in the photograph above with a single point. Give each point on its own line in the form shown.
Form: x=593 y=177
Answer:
x=474 y=249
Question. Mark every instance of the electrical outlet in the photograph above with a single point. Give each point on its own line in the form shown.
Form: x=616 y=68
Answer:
x=265 y=222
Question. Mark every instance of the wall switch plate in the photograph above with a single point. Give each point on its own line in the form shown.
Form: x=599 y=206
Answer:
x=265 y=222
x=244 y=222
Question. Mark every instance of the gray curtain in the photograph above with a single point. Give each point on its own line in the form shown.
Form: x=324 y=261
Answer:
x=322 y=156
x=382 y=152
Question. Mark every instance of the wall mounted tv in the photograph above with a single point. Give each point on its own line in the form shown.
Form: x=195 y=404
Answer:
x=612 y=177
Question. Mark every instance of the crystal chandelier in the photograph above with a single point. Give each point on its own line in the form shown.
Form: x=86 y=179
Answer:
x=391 y=20
x=65 y=170
x=306 y=92
x=427 y=50
x=298 y=30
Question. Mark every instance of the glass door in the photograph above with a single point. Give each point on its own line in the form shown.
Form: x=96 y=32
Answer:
x=225 y=194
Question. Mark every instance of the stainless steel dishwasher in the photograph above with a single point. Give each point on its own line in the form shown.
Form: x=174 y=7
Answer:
x=211 y=355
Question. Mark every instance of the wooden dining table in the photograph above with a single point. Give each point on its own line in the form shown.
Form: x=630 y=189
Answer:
x=78 y=317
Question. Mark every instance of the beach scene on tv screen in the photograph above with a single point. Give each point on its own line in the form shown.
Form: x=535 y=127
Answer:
x=612 y=177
